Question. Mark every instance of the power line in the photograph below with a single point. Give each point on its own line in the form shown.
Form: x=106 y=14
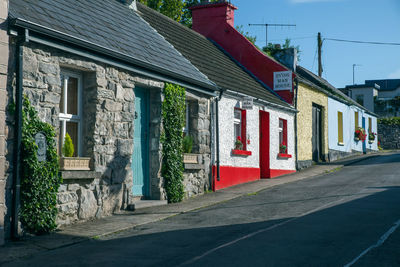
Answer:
x=360 y=42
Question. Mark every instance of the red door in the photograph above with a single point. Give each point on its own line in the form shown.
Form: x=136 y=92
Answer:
x=264 y=144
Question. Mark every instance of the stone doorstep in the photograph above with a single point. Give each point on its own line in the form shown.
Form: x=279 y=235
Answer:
x=141 y=204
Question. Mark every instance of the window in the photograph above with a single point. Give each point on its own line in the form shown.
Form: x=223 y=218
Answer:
x=340 y=127
x=355 y=120
x=369 y=125
x=70 y=110
x=239 y=125
x=186 y=128
x=282 y=134
x=360 y=99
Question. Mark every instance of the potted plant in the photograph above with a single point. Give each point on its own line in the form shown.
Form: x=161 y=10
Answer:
x=238 y=143
x=188 y=157
x=68 y=161
x=360 y=135
x=282 y=148
x=371 y=137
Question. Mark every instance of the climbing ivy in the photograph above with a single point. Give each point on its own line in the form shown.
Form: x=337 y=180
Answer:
x=173 y=116
x=39 y=180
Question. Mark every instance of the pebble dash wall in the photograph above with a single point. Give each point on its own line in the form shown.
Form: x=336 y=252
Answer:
x=252 y=162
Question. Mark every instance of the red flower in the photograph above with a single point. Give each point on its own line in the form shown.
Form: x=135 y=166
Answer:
x=239 y=138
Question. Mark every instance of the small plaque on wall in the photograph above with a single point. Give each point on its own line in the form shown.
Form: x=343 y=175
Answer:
x=40 y=140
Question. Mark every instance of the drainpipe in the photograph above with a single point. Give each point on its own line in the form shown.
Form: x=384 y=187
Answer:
x=217 y=133
x=296 y=86
x=18 y=133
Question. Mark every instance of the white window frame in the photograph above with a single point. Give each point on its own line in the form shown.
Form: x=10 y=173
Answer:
x=237 y=122
x=186 y=127
x=65 y=117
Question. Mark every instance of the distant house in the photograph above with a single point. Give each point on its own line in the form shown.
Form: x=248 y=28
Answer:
x=263 y=127
x=98 y=73
x=379 y=96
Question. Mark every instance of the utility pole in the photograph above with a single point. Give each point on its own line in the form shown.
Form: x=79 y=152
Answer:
x=319 y=55
x=266 y=25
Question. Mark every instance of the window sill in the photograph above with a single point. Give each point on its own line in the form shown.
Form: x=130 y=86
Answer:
x=79 y=175
x=283 y=155
x=241 y=152
x=340 y=144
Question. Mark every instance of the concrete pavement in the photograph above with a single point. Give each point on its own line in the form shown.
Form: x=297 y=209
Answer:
x=124 y=220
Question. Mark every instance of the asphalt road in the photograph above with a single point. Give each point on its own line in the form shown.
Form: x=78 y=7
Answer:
x=345 y=218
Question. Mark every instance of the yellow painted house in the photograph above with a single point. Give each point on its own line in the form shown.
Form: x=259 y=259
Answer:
x=312 y=122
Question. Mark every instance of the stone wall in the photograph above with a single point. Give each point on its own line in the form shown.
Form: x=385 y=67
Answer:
x=389 y=136
x=108 y=101
x=197 y=177
x=4 y=53
x=107 y=123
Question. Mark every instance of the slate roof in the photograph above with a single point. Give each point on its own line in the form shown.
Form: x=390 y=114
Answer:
x=107 y=24
x=323 y=84
x=208 y=58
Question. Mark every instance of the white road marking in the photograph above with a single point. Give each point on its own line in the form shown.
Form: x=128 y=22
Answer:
x=261 y=231
x=378 y=244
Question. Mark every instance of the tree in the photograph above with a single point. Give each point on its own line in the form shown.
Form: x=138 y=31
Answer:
x=170 y=8
x=249 y=37
x=272 y=49
x=177 y=10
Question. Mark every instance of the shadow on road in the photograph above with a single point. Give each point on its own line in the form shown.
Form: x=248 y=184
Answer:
x=331 y=236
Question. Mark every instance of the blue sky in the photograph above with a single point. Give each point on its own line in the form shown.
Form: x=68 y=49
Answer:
x=364 y=20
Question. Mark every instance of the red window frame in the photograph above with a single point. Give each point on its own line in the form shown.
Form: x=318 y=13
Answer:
x=243 y=127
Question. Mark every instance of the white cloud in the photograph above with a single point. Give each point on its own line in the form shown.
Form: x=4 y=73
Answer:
x=394 y=75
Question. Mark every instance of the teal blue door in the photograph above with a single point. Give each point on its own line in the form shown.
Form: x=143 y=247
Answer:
x=140 y=157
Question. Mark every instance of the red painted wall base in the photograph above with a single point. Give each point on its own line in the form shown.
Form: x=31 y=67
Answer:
x=276 y=173
x=230 y=176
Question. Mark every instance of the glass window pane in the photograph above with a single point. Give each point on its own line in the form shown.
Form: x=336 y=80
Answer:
x=62 y=94
x=72 y=130
x=72 y=94
x=238 y=114
x=238 y=130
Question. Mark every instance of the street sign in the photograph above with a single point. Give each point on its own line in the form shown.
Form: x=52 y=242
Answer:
x=247 y=102
x=283 y=80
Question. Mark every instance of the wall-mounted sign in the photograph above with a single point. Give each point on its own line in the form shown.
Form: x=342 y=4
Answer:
x=40 y=140
x=283 y=80
x=247 y=102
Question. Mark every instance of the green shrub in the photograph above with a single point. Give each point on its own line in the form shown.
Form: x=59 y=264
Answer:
x=39 y=180
x=187 y=144
x=173 y=116
x=68 y=147
x=390 y=121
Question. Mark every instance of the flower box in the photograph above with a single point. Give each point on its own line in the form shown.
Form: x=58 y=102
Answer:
x=284 y=155
x=190 y=158
x=241 y=152
x=74 y=163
